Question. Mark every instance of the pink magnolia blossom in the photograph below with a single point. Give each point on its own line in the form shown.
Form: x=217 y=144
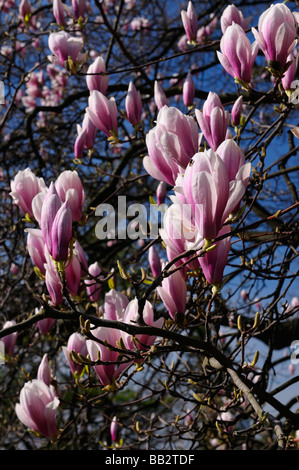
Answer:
x=86 y=136
x=37 y=204
x=73 y=275
x=160 y=97
x=45 y=325
x=170 y=144
x=188 y=90
x=154 y=261
x=25 y=10
x=59 y=12
x=79 y=7
x=179 y=232
x=231 y=15
x=97 y=82
x=24 y=187
x=93 y=287
x=233 y=157
x=115 y=305
x=56 y=225
x=236 y=111
x=76 y=343
x=214 y=261
x=133 y=105
x=237 y=55
x=44 y=371
x=52 y=281
x=63 y=46
x=114 y=429
x=161 y=192
x=190 y=22
x=173 y=292
x=10 y=339
x=103 y=113
x=131 y=316
x=213 y=120
x=289 y=76
x=276 y=34
x=140 y=24
x=70 y=189
x=211 y=194
x=38 y=408
x=110 y=369
x=36 y=248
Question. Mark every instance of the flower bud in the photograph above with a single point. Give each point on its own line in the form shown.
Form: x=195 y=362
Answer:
x=9 y=340
x=154 y=261
x=103 y=113
x=133 y=105
x=188 y=90
x=94 y=288
x=190 y=22
x=97 y=82
x=159 y=96
x=213 y=120
x=237 y=111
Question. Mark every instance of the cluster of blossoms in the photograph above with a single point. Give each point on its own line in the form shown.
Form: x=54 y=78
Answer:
x=38 y=92
x=108 y=349
x=51 y=244
x=208 y=186
x=59 y=259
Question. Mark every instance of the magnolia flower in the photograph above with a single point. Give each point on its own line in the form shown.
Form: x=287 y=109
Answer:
x=188 y=90
x=237 y=111
x=131 y=316
x=103 y=113
x=213 y=197
x=38 y=408
x=36 y=248
x=76 y=343
x=115 y=305
x=160 y=97
x=276 y=34
x=96 y=78
x=190 y=22
x=93 y=287
x=214 y=261
x=56 y=225
x=133 y=105
x=44 y=371
x=154 y=261
x=110 y=369
x=24 y=187
x=170 y=144
x=237 y=55
x=70 y=189
x=173 y=292
x=114 y=428
x=231 y=15
x=10 y=339
x=213 y=120
x=65 y=47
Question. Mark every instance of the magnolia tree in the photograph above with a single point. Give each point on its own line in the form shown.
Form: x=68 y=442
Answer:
x=149 y=226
